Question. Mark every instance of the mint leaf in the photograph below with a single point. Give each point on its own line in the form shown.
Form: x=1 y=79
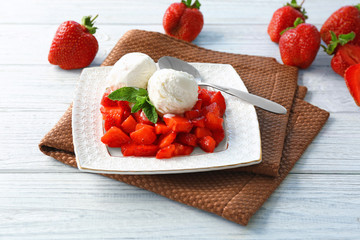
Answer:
x=140 y=103
x=124 y=94
x=142 y=92
x=150 y=112
x=138 y=96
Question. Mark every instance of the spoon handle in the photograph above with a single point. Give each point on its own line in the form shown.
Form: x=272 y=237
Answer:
x=250 y=98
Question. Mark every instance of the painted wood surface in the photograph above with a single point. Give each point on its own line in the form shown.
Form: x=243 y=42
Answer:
x=43 y=199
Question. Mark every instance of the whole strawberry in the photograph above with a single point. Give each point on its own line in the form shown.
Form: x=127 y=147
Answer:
x=283 y=18
x=344 y=20
x=299 y=44
x=183 y=20
x=74 y=45
x=345 y=54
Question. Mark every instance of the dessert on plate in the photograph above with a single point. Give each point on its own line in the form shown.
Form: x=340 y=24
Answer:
x=162 y=113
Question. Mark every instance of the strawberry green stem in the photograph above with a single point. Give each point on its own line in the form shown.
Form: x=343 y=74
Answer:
x=297 y=22
x=357 y=6
x=298 y=7
x=188 y=4
x=342 y=39
x=89 y=23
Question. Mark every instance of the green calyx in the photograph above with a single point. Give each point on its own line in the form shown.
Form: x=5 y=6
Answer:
x=297 y=22
x=89 y=23
x=298 y=7
x=342 y=39
x=357 y=6
x=188 y=4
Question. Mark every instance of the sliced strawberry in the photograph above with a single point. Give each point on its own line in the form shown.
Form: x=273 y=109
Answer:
x=129 y=124
x=141 y=118
x=202 y=132
x=161 y=128
x=128 y=149
x=207 y=144
x=220 y=100
x=142 y=125
x=192 y=114
x=145 y=150
x=107 y=102
x=181 y=149
x=197 y=105
x=144 y=135
x=166 y=152
x=214 y=108
x=198 y=122
x=218 y=136
x=177 y=123
x=187 y=139
x=115 y=137
x=346 y=56
x=213 y=122
x=205 y=97
x=113 y=117
x=352 y=79
x=167 y=139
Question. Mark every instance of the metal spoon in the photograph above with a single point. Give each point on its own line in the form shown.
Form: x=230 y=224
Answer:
x=179 y=65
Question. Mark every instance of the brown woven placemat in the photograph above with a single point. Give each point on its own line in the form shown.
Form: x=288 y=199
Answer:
x=233 y=195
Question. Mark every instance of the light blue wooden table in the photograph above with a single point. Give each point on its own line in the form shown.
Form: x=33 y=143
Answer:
x=40 y=198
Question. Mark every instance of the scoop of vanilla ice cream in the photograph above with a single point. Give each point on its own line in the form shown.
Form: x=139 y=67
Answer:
x=172 y=91
x=132 y=70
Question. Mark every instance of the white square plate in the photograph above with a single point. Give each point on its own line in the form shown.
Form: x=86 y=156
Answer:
x=241 y=146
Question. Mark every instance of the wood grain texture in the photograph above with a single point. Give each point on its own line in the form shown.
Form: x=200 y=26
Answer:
x=43 y=199
x=73 y=205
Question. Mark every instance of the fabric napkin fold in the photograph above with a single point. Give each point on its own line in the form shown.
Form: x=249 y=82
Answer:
x=233 y=195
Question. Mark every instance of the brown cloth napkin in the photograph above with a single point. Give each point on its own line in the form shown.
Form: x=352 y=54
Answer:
x=235 y=196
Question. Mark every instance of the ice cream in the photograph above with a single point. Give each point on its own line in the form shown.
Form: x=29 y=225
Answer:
x=172 y=91
x=132 y=70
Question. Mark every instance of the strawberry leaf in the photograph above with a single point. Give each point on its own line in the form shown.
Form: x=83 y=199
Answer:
x=296 y=23
x=342 y=39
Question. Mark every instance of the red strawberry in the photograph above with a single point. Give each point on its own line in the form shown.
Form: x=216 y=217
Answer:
x=113 y=117
x=166 y=152
x=129 y=124
x=202 y=132
x=283 y=18
x=167 y=139
x=199 y=122
x=183 y=20
x=161 y=128
x=344 y=57
x=144 y=135
x=207 y=144
x=352 y=79
x=107 y=102
x=299 y=45
x=182 y=149
x=187 y=139
x=115 y=137
x=145 y=150
x=177 y=123
x=74 y=45
x=344 y=20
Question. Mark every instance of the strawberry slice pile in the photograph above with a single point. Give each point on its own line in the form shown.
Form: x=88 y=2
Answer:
x=171 y=136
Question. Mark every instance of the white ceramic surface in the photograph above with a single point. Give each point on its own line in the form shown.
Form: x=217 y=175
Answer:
x=242 y=130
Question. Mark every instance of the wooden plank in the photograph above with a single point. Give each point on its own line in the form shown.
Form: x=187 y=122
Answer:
x=48 y=206
x=335 y=150
x=239 y=38
x=147 y=12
